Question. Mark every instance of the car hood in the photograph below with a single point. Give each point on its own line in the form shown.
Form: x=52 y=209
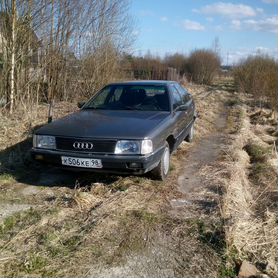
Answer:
x=106 y=124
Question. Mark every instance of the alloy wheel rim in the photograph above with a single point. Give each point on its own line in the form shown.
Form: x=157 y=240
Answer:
x=191 y=132
x=166 y=161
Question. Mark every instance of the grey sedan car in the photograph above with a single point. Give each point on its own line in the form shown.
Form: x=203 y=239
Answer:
x=128 y=127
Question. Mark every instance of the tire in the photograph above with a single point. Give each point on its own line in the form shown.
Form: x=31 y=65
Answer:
x=161 y=171
x=190 y=136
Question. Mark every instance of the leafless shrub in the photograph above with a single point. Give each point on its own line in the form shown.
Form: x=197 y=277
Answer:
x=148 y=67
x=202 y=66
x=258 y=76
x=177 y=61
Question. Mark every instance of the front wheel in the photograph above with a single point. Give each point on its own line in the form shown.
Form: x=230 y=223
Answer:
x=190 y=136
x=161 y=171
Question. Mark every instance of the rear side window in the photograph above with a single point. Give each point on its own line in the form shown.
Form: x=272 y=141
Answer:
x=176 y=97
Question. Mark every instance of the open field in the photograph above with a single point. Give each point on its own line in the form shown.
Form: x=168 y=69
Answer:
x=217 y=208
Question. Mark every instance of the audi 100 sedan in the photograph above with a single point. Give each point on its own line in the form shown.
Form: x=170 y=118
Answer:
x=129 y=127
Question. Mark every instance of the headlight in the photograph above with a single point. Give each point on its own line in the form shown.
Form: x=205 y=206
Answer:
x=43 y=141
x=127 y=147
x=134 y=147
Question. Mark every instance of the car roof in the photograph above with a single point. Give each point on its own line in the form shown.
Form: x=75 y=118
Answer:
x=144 y=82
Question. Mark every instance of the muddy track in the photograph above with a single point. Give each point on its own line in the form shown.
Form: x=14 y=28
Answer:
x=201 y=154
x=204 y=152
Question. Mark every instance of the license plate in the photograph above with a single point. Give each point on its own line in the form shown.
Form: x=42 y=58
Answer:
x=81 y=162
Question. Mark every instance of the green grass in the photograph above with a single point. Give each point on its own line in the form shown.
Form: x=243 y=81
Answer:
x=235 y=119
x=96 y=250
x=211 y=234
x=6 y=178
x=227 y=272
x=257 y=153
x=33 y=264
x=62 y=248
x=8 y=224
x=231 y=263
x=144 y=216
x=233 y=102
x=18 y=221
x=13 y=224
x=259 y=169
x=134 y=229
x=119 y=186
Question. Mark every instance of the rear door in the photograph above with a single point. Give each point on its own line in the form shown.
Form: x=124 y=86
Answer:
x=179 y=115
x=187 y=102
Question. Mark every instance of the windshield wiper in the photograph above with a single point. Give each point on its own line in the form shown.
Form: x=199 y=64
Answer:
x=132 y=108
x=94 y=108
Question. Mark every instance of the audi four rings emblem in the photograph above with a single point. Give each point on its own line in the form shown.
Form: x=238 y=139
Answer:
x=83 y=145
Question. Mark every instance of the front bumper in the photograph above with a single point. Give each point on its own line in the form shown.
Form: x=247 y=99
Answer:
x=112 y=163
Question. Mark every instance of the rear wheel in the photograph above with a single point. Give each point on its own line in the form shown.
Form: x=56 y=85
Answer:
x=190 y=136
x=161 y=171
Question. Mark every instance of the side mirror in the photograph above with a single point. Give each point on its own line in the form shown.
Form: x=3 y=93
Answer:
x=80 y=104
x=182 y=108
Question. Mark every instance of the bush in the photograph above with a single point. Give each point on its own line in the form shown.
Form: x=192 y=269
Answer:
x=177 y=61
x=202 y=66
x=258 y=75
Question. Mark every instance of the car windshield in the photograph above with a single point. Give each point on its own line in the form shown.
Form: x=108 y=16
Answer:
x=131 y=97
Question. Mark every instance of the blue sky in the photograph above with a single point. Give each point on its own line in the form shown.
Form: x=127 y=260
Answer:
x=243 y=27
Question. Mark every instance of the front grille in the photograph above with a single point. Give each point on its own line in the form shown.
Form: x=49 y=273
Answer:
x=99 y=146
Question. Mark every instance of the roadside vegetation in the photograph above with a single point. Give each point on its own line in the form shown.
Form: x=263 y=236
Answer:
x=248 y=176
x=258 y=76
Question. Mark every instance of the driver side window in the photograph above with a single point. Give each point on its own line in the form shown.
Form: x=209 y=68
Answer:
x=176 y=97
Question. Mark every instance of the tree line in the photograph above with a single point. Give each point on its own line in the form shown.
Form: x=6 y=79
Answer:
x=200 y=66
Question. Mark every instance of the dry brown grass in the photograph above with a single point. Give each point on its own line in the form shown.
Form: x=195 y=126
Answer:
x=110 y=225
x=20 y=125
x=250 y=218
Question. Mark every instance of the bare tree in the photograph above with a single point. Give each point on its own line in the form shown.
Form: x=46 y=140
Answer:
x=60 y=49
x=177 y=61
